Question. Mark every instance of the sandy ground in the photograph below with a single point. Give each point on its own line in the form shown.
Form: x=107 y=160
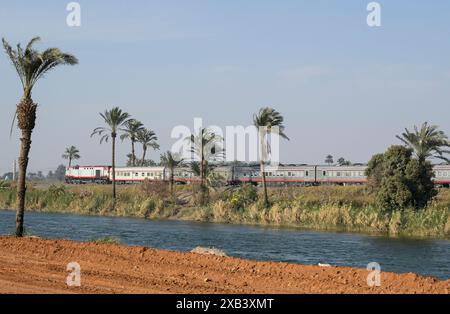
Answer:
x=32 y=265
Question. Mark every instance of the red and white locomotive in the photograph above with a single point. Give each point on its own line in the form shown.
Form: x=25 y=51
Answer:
x=87 y=174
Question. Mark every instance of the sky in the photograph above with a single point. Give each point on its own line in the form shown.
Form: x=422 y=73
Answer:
x=344 y=88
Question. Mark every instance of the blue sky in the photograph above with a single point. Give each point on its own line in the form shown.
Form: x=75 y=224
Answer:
x=344 y=88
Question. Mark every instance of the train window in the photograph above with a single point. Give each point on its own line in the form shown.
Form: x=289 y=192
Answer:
x=324 y=173
x=289 y=173
x=338 y=174
x=307 y=173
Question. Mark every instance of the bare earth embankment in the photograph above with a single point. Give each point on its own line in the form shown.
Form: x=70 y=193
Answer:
x=31 y=265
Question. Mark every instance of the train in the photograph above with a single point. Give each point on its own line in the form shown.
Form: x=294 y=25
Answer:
x=295 y=175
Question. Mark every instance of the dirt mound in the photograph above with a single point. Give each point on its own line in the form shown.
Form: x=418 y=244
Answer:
x=31 y=265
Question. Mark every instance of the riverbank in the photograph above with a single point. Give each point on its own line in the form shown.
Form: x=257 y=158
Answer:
x=330 y=208
x=31 y=265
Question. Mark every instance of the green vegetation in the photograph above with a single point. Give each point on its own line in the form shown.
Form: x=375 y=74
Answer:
x=107 y=240
x=351 y=208
x=400 y=181
x=4 y=184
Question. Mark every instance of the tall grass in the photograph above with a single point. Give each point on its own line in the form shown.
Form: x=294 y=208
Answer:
x=323 y=208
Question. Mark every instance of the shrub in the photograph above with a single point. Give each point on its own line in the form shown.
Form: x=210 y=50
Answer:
x=399 y=181
x=243 y=197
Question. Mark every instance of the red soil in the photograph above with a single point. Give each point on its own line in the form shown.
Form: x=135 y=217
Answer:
x=31 y=265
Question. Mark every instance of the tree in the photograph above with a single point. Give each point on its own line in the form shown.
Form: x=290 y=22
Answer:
x=31 y=65
x=329 y=160
x=267 y=120
x=131 y=129
x=114 y=119
x=171 y=161
x=399 y=180
x=60 y=173
x=148 y=139
x=342 y=162
x=374 y=171
x=140 y=163
x=205 y=146
x=427 y=142
x=71 y=153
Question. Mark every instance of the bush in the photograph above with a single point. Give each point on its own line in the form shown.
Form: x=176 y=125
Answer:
x=399 y=181
x=243 y=197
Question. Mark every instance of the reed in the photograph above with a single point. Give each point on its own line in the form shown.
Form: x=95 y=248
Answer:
x=350 y=209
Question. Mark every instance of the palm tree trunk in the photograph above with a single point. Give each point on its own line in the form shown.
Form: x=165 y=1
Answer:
x=144 y=151
x=21 y=185
x=26 y=118
x=171 y=181
x=263 y=174
x=70 y=162
x=133 y=156
x=114 y=169
x=262 y=168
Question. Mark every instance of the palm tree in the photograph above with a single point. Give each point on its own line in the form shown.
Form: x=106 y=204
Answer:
x=171 y=161
x=205 y=145
x=31 y=65
x=266 y=121
x=427 y=142
x=114 y=119
x=71 y=153
x=148 y=139
x=343 y=162
x=329 y=160
x=131 y=130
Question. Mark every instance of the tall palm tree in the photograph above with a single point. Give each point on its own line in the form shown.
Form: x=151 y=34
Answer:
x=148 y=140
x=171 y=161
x=131 y=129
x=71 y=153
x=205 y=146
x=266 y=121
x=114 y=119
x=427 y=142
x=31 y=65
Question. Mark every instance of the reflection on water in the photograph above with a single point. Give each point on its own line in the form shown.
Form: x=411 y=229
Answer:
x=425 y=257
